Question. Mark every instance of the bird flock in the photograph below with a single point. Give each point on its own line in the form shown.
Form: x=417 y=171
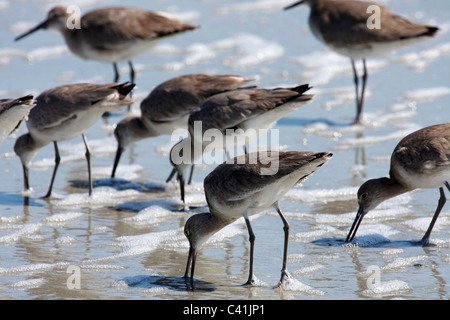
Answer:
x=229 y=104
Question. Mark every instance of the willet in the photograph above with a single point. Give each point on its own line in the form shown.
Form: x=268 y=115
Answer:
x=231 y=114
x=420 y=160
x=12 y=113
x=64 y=112
x=245 y=186
x=169 y=105
x=111 y=35
x=361 y=29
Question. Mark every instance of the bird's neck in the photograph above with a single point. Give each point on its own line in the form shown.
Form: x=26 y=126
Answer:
x=141 y=130
x=132 y=129
x=214 y=222
x=390 y=188
x=73 y=39
x=26 y=148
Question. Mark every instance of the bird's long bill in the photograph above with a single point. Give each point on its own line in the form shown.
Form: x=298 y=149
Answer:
x=41 y=25
x=294 y=5
x=171 y=175
x=26 y=183
x=190 y=263
x=359 y=216
x=182 y=183
x=116 y=160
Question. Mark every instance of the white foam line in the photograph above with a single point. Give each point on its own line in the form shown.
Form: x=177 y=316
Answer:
x=372 y=140
x=427 y=94
x=62 y=218
x=247 y=50
x=73 y=152
x=386 y=288
x=11 y=220
x=151 y=215
x=245 y=7
x=142 y=244
x=294 y=285
x=25 y=231
x=321 y=195
x=321 y=67
x=421 y=224
x=101 y=196
x=29 y=284
x=404 y=262
x=45 y=53
x=321 y=231
x=32 y=268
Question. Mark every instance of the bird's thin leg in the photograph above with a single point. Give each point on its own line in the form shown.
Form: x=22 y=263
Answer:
x=251 y=239
x=57 y=161
x=116 y=78
x=191 y=174
x=132 y=72
x=426 y=238
x=119 y=152
x=191 y=259
x=172 y=173
x=356 y=81
x=26 y=183
x=188 y=264
x=132 y=77
x=363 y=89
x=116 y=72
x=182 y=190
x=88 y=159
x=286 y=241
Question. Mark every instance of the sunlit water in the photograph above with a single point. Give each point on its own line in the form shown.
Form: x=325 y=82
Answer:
x=126 y=241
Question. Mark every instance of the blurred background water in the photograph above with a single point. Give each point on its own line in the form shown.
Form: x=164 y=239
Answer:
x=127 y=239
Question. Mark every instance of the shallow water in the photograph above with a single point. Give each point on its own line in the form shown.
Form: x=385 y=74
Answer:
x=126 y=242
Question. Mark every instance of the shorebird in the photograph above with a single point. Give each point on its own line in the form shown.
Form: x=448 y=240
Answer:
x=247 y=185
x=64 y=112
x=420 y=160
x=169 y=105
x=110 y=35
x=231 y=114
x=12 y=113
x=361 y=29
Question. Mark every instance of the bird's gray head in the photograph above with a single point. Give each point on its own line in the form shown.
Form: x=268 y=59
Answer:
x=181 y=160
x=372 y=193
x=26 y=148
x=57 y=18
x=124 y=131
x=200 y=227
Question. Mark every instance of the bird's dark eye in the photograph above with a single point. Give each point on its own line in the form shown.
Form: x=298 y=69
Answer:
x=186 y=233
x=364 y=195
